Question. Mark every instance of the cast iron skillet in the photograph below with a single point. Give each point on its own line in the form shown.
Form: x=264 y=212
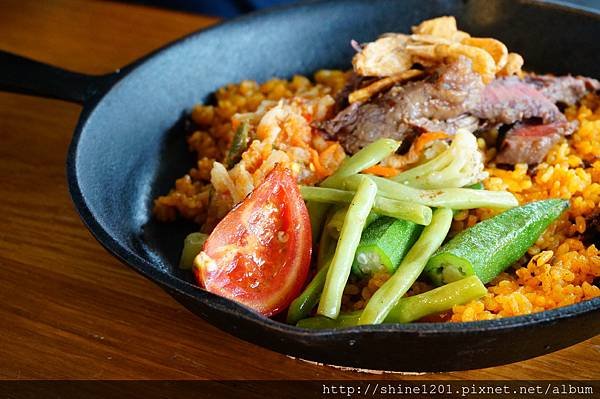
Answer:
x=128 y=148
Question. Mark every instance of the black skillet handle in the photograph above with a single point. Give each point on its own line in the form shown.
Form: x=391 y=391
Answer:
x=23 y=75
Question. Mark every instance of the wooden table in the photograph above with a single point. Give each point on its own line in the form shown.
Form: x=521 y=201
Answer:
x=69 y=310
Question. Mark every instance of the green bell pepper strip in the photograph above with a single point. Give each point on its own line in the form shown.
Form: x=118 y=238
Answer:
x=414 y=212
x=409 y=309
x=339 y=270
x=383 y=245
x=492 y=245
x=386 y=297
x=453 y=198
x=192 y=245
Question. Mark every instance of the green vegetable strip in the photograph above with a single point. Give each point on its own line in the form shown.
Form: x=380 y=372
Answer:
x=489 y=247
x=192 y=245
x=320 y=322
x=326 y=195
x=326 y=247
x=454 y=198
x=476 y=186
x=383 y=245
x=386 y=297
x=335 y=223
x=437 y=300
x=239 y=144
x=317 y=211
x=301 y=306
x=363 y=159
x=411 y=211
x=338 y=273
x=412 y=308
x=309 y=298
x=416 y=213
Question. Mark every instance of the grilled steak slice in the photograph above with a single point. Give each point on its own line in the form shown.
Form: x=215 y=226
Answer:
x=353 y=82
x=510 y=100
x=529 y=142
x=437 y=103
x=565 y=90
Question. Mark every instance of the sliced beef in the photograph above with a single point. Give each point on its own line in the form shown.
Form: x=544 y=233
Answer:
x=510 y=100
x=530 y=142
x=566 y=90
x=450 y=126
x=436 y=103
x=354 y=82
x=453 y=97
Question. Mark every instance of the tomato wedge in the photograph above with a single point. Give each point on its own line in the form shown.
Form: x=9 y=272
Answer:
x=259 y=254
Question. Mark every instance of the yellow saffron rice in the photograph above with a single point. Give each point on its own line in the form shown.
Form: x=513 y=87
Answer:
x=559 y=269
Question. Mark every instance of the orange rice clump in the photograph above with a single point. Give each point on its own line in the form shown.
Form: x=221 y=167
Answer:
x=279 y=113
x=559 y=269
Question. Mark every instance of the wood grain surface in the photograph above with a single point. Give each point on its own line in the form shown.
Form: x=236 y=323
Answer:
x=69 y=310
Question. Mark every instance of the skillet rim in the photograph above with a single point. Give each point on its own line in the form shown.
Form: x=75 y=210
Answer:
x=173 y=284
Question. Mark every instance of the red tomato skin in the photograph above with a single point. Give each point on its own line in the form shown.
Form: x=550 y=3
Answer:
x=262 y=247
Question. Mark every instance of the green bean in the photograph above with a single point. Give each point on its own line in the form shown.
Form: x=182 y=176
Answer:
x=386 y=297
x=192 y=245
x=308 y=299
x=338 y=273
x=411 y=211
x=437 y=300
x=321 y=322
x=371 y=155
x=453 y=198
x=411 y=308
x=326 y=247
x=317 y=212
x=327 y=244
x=326 y=195
x=407 y=210
x=335 y=223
